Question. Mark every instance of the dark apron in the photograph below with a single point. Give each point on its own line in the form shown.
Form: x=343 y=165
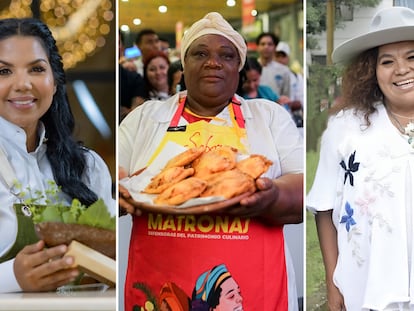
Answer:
x=25 y=229
x=25 y=232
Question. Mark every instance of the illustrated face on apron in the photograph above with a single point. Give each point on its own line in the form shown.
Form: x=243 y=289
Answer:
x=178 y=249
x=202 y=133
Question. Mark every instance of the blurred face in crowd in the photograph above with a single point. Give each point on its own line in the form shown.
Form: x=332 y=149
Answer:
x=149 y=43
x=176 y=80
x=27 y=84
x=165 y=47
x=157 y=73
x=211 y=70
x=252 y=81
x=395 y=74
x=282 y=58
x=266 y=47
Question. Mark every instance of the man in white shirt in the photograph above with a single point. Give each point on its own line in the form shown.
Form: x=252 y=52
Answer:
x=296 y=79
x=274 y=74
x=147 y=41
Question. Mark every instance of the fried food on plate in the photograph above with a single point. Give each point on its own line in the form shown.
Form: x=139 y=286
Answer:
x=229 y=184
x=166 y=178
x=198 y=172
x=181 y=192
x=255 y=165
x=185 y=158
x=217 y=160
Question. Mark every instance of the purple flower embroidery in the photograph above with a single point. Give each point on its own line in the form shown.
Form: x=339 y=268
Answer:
x=347 y=219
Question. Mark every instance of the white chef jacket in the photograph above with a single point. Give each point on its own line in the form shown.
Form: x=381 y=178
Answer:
x=33 y=169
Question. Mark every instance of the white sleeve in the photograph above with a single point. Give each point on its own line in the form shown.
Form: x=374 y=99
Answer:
x=8 y=282
x=323 y=193
x=100 y=180
x=289 y=143
x=126 y=135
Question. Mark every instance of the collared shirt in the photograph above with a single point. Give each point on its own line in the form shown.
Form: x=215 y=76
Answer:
x=365 y=176
x=277 y=77
x=270 y=130
x=33 y=170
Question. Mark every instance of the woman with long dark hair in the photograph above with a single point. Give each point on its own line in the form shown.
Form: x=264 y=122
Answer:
x=36 y=147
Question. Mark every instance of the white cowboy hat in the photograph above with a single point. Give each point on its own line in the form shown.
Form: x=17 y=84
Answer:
x=387 y=26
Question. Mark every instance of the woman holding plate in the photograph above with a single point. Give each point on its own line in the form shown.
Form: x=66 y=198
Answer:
x=210 y=114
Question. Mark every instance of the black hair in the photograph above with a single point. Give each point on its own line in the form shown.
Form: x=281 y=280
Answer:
x=142 y=33
x=66 y=156
x=250 y=64
x=174 y=67
x=275 y=39
x=121 y=36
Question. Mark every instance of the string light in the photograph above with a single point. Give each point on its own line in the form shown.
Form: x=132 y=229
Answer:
x=79 y=26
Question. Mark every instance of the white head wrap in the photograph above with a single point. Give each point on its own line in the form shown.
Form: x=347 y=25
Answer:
x=214 y=24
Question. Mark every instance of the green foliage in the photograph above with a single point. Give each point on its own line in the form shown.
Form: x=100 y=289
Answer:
x=316 y=12
x=316 y=16
x=97 y=215
x=322 y=89
x=315 y=272
x=48 y=207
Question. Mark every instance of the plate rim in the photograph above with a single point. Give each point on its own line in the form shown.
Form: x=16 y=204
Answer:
x=195 y=209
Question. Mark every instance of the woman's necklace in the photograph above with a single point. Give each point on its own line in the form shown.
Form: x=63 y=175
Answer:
x=408 y=129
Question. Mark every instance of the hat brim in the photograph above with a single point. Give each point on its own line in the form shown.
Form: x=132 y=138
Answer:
x=348 y=50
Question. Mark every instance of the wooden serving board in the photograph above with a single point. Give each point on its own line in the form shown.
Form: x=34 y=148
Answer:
x=95 y=264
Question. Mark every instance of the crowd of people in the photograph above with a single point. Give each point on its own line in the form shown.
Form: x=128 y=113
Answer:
x=266 y=75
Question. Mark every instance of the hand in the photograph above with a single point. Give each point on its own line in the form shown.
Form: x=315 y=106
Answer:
x=283 y=99
x=259 y=202
x=277 y=202
x=335 y=299
x=128 y=64
x=43 y=269
x=124 y=206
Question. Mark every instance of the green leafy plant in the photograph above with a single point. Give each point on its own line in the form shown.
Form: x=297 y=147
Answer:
x=49 y=207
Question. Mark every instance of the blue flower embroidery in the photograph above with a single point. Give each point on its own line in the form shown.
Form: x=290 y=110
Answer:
x=352 y=168
x=347 y=219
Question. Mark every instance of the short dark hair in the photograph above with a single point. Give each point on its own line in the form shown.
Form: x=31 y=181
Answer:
x=275 y=38
x=142 y=33
x=172 y=69
x=121 y=36
x=252 y=64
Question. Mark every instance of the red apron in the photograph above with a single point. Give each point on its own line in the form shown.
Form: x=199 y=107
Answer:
x=222 y=261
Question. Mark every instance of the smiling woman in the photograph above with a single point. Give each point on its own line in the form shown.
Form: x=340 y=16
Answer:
x=362 y=192
x=36 y=141
x=27 y=84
